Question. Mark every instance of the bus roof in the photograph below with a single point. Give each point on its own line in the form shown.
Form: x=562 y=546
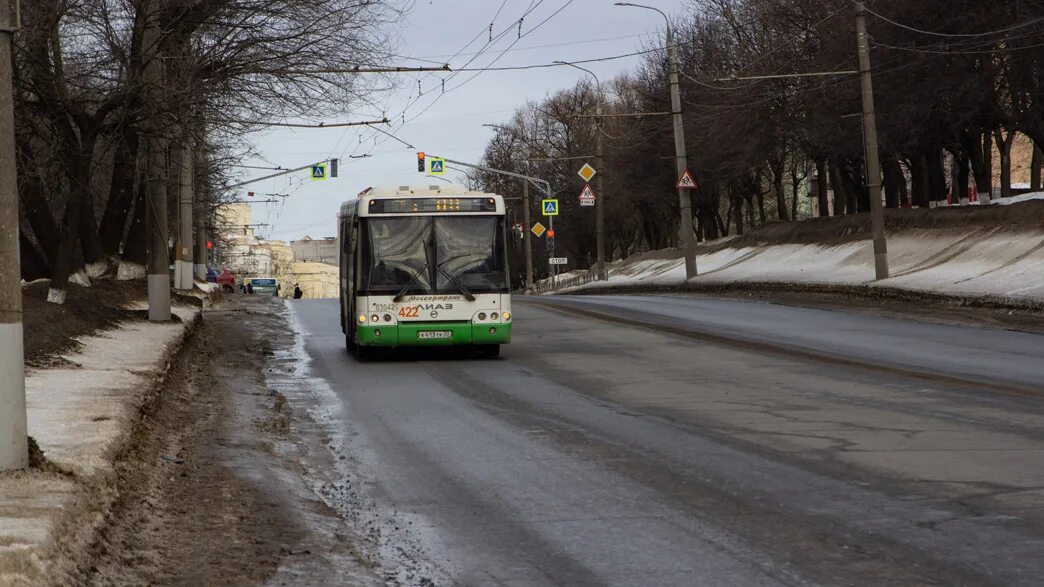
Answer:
x=351 y=207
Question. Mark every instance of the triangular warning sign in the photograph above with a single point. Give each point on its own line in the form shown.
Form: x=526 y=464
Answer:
x=587 y=194
x=686 y=181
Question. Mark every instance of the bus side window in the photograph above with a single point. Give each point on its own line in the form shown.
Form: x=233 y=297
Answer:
x=350 y=253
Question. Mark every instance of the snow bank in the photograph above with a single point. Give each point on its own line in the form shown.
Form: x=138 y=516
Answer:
x=983 y=262
x=1016 y=199
x=81 y=414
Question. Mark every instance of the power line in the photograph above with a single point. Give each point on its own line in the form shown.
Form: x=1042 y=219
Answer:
x=960 y=35
x=941 y=51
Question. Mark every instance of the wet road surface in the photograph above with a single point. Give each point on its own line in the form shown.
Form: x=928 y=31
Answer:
x=746 y=447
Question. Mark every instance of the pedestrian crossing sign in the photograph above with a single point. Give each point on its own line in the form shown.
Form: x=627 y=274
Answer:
x=550 y=207
x=438 y=166
x=319 y=172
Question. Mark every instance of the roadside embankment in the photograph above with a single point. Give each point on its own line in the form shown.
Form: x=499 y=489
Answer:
x=981 y=257
x=83 y=402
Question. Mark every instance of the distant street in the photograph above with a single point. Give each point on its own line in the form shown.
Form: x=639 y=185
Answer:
x=753 y=444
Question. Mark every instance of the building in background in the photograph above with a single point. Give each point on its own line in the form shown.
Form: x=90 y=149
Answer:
x=238 y=249
x=309 y=250
x=316 y=280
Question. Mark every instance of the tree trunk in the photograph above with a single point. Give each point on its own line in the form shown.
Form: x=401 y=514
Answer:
x=936 y=176
x=795 y=186
x=33 y=263
x=121 y=192
x=840 y=195
x=893 y=179
x=38 y=214
x=90 y=245
x=1004 y=146
x=980 y=148
x=776 y=169
x=134 y=249
x=1035 y=168
x=919 y=181
x=63 y=266
x=963 y=174
x=821 y=187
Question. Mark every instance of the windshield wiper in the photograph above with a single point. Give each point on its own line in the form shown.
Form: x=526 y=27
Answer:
x=453 y=279
x=402 y=292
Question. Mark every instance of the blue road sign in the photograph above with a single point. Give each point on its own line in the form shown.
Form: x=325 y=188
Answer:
x=438 y=165
x=550 y=207
x=319 y=172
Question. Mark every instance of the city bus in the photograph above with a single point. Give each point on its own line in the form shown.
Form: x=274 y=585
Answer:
x=424 y=266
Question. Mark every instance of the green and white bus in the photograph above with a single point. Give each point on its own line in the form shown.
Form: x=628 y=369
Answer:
x=424 y=266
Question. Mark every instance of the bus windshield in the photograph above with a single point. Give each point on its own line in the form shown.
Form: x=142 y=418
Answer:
x=433 y=255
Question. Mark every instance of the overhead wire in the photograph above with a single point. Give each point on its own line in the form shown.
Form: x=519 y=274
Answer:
x=955 y=35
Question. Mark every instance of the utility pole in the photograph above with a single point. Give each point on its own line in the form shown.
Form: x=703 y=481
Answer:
x=200 y=217
x=14 y=447
x=873 y=165
x=183 y=269
x=600 y=201
x=686 y=236
x=525 y=236
x=158 y=262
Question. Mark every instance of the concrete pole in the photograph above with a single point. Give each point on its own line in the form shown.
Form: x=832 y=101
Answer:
x=526 y=237
x=158 y=262
x=14 y=449
x=600 y=202
x=183 y=262
x=873 y=165
x=686 y=237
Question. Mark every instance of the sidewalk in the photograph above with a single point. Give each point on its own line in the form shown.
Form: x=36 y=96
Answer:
x=81 y=414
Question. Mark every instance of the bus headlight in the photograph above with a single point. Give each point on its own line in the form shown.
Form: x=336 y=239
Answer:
x=375 y=318
x=507 y=316
x=493 y=316
x=362 y=318
x=492 y=330
x=482 y=316
x=387 y=317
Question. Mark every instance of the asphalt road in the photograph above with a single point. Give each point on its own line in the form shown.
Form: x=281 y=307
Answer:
x=754 y=444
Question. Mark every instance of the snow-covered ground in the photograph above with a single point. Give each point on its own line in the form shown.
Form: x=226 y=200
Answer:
x=1016 y=199
x=80 y=413
x=983 y=262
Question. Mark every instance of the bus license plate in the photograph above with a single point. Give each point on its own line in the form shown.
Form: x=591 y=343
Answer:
x=429 y=334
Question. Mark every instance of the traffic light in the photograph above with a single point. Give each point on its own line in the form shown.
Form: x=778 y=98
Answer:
x=420 y=161
x=333 y=167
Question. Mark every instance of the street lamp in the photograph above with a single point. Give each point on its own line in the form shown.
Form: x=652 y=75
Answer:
x=686 y=236
x=600 y=202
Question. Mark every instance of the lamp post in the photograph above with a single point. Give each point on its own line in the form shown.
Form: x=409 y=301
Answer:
x=600 y=202
x=685 y=231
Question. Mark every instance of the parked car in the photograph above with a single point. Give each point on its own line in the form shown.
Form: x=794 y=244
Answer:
x=227 y=280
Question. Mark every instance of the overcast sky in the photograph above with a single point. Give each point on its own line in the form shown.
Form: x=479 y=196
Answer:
x=452 y=126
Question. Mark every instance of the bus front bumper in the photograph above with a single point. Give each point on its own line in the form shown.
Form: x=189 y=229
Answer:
x=433 y=334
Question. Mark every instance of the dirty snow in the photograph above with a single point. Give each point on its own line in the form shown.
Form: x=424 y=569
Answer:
x=79 y=414
x=1016 y=199
x=984 y=262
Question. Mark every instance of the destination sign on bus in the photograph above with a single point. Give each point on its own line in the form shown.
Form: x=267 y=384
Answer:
x=429 y=205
